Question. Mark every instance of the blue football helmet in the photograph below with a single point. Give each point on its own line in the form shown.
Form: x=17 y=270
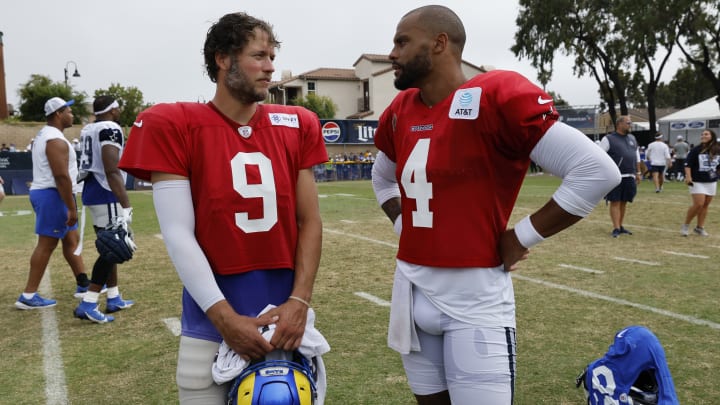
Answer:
x=644 y=390
x=633 y=371
x=275 y=382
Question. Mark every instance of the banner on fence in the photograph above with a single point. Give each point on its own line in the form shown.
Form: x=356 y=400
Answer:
x=354 y=132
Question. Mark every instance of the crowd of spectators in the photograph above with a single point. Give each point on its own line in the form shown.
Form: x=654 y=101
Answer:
x=346 y=166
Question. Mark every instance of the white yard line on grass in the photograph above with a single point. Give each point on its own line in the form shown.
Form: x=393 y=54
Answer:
x=173 y=324
x=379 y=242
x=625 y=259
x=570 y=266
x=55 y=385
x=686 y=318
x=670 y=252
x=373 y=298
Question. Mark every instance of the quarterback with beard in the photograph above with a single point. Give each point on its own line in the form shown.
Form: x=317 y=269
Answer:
x=453 y=153
x=237 y=205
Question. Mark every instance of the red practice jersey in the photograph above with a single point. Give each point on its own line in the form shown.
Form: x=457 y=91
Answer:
x=460 y=165
x=242 y=177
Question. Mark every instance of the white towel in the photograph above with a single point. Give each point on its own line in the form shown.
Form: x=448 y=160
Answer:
x=228 y=364
x=402 y=336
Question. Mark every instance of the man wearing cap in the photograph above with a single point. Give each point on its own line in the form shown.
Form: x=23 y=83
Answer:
x=681 y=149
x=658 y=154
x=52 y=195
x=104 y=194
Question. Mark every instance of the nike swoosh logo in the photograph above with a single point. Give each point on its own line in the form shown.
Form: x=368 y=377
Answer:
x=544 y=101
x=622 y=332
x=138 y=124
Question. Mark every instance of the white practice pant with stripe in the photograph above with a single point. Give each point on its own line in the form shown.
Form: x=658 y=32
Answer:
x=471 y=362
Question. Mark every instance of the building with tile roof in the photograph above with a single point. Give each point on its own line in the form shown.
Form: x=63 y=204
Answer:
x=359 y=93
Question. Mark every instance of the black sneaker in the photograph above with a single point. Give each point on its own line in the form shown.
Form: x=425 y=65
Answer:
x=625 y=231
x=616 y=232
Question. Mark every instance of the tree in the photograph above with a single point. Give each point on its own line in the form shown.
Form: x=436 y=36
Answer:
x=584 y=29
x=623 y=44
x=687 y=87
x=700 y=43
x=129 y=98
x=323 y=106
x=557 y=99
x=649 y=37
x=36 y=91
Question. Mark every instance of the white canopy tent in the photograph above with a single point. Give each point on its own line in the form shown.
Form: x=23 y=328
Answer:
x=691 y=121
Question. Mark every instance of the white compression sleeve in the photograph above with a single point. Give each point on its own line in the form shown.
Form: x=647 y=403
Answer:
x=587 y=171
x=383 y=178
x=176 y=215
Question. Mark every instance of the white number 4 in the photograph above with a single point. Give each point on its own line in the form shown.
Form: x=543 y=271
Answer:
x=414 y=181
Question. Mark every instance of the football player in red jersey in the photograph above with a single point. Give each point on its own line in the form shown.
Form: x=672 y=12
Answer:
x=237 y=205
x=453 y=155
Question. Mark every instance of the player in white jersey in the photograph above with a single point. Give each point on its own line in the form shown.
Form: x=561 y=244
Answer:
x=104 y=194
x=52 y=195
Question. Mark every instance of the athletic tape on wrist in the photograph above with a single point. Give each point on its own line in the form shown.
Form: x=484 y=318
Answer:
x=526 y=233
x=397 y=226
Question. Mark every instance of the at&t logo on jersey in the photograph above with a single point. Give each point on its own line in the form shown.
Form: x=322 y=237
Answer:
x=466 y=104
x=286 y=120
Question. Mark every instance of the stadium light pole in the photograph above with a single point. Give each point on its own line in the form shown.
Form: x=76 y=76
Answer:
x=76 y=74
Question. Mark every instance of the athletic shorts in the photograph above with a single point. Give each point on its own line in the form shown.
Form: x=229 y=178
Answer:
x=248 y=293
x=704 y=188
x=625 y=191
x=51 y=213
x=658 y=169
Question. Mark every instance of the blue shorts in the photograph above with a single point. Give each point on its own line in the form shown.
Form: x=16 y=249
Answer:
x=625 y=191
x=248 y=293
x=51 y=213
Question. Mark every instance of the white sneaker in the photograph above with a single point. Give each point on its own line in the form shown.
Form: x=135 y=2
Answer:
x=684 y=230
x=700 y=231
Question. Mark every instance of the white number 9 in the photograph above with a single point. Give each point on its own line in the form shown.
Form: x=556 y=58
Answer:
x=265 y=190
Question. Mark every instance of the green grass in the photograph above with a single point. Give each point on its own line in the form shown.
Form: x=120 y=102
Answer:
x=132 y=360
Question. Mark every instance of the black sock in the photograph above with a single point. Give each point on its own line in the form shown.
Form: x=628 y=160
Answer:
x=82 y=280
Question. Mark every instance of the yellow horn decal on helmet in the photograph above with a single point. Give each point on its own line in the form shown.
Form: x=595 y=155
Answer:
x=245 y=390
x=303 y=388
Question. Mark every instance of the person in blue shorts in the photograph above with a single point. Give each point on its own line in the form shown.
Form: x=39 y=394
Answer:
x=52 y=195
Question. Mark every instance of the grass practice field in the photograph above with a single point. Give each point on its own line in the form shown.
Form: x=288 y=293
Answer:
x=573 y=293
